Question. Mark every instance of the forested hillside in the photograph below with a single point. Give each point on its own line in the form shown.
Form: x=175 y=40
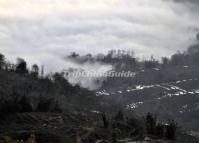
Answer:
x=50 y=108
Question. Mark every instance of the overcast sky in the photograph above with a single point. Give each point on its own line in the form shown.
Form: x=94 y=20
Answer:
x=43 y=31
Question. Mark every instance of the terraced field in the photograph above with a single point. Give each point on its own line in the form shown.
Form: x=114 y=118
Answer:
x=47 y=127
x=178 y=100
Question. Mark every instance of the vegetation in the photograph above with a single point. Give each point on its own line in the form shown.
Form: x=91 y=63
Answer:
x=56 y=111
x=24 y=90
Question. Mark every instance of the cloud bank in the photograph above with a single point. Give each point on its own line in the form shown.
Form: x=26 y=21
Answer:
x=44 y=31
x=188 y=1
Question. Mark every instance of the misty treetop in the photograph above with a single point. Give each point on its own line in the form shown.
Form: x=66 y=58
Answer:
x=24 y=90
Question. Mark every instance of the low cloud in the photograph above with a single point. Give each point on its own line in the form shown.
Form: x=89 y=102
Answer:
x=45 y=31
x=188 y=1
x=89 y=82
